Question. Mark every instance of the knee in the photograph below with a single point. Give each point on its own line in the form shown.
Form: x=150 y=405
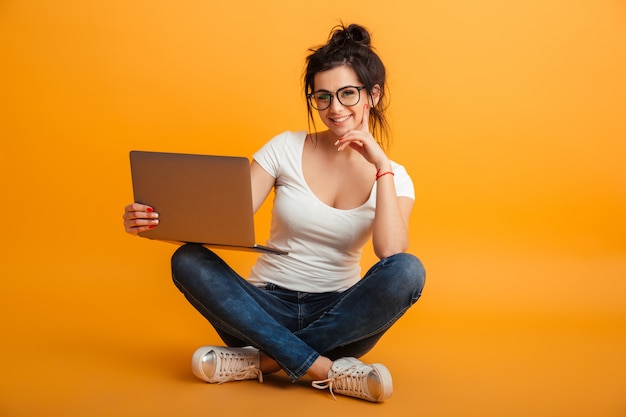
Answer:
x=410 y=273
x=186 y=258
x=184 y=254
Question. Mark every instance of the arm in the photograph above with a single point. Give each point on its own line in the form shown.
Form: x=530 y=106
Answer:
x=262 y=184
x=390 y=233
x=391 y=223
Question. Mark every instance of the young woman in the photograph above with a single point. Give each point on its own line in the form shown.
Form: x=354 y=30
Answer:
x=310 y=312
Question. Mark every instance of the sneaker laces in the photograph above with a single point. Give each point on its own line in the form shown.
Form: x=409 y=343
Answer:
x=237 y=367
x=347 y=380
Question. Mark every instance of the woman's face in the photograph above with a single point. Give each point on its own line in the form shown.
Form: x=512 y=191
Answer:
x=339 y=118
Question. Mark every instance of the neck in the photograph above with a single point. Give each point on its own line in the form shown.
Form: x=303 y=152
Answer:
x=325 y=142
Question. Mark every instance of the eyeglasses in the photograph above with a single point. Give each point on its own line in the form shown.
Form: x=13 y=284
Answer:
x=348 y=96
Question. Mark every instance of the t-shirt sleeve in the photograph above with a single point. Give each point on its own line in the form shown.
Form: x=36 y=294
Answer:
x=403 y=182
x=269 y=155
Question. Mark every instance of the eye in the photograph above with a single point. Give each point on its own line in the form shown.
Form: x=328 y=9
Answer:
x=348 y=92
x=322 y=96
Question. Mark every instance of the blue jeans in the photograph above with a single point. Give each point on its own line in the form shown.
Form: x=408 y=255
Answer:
x=295 y=328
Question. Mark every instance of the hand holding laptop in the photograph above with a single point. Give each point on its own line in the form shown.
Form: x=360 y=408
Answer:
x=139 y=218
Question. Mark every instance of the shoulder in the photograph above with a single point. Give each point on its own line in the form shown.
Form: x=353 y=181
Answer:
x=280 y=150
x=289 y=138
x=284 y=140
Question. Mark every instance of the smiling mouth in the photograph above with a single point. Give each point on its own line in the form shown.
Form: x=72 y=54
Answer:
x=339 y=119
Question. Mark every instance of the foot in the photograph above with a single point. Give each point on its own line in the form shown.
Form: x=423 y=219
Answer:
x=351 y=377
x=216 y=364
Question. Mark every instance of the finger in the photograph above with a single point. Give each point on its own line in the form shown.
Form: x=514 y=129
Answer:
x=138 y=207
x=140 y=222
x=132 y=215
x=366 y=119
x=137 y=230
x=140 y=225
x=357 y=146
x=348 y=140
x=139 y=211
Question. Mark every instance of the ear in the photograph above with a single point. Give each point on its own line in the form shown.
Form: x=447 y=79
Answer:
x=375 y=95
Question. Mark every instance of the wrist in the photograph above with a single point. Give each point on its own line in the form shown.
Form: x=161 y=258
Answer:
x=380 y=173
x=383 y=166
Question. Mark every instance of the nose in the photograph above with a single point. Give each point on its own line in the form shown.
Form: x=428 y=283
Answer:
x=335 y=104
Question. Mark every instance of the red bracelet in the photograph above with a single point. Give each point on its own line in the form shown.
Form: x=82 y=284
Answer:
x=378 y=174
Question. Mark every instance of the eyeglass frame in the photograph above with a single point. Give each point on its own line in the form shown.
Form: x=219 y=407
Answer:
x=310 y=97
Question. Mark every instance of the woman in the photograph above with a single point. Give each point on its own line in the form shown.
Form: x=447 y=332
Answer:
x=310 y=312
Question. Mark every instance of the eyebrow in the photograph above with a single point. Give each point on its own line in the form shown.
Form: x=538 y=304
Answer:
x=328 y=91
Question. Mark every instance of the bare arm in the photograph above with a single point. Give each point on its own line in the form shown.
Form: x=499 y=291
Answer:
x=262 y=184
x=391 y=222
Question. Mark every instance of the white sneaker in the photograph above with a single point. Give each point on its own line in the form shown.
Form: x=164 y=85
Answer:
x=351 y=377
x=224 y=364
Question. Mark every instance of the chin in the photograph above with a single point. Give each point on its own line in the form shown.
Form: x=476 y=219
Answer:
x=339 y=132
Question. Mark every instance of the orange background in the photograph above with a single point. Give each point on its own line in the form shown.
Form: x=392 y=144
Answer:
x=508 y=114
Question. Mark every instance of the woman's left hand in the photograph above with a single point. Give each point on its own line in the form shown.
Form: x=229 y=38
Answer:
x=362 y=141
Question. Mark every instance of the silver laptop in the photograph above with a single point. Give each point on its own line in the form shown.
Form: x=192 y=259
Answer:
x=204 y=199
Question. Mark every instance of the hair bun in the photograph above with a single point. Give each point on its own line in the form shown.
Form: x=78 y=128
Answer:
x=353 y=33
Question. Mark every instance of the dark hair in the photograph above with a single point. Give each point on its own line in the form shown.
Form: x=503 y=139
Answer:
x=351 y=46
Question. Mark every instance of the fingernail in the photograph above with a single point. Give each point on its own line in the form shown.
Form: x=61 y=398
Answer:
x=367 y=106
x=149 y=209
x=152 y=226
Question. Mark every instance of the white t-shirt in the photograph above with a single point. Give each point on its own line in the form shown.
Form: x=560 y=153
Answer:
x=324 y=243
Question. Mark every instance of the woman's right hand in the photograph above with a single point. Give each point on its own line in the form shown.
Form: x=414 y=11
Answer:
x=139 y=218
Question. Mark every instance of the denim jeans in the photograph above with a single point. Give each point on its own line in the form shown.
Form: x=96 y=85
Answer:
x=295 y=328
